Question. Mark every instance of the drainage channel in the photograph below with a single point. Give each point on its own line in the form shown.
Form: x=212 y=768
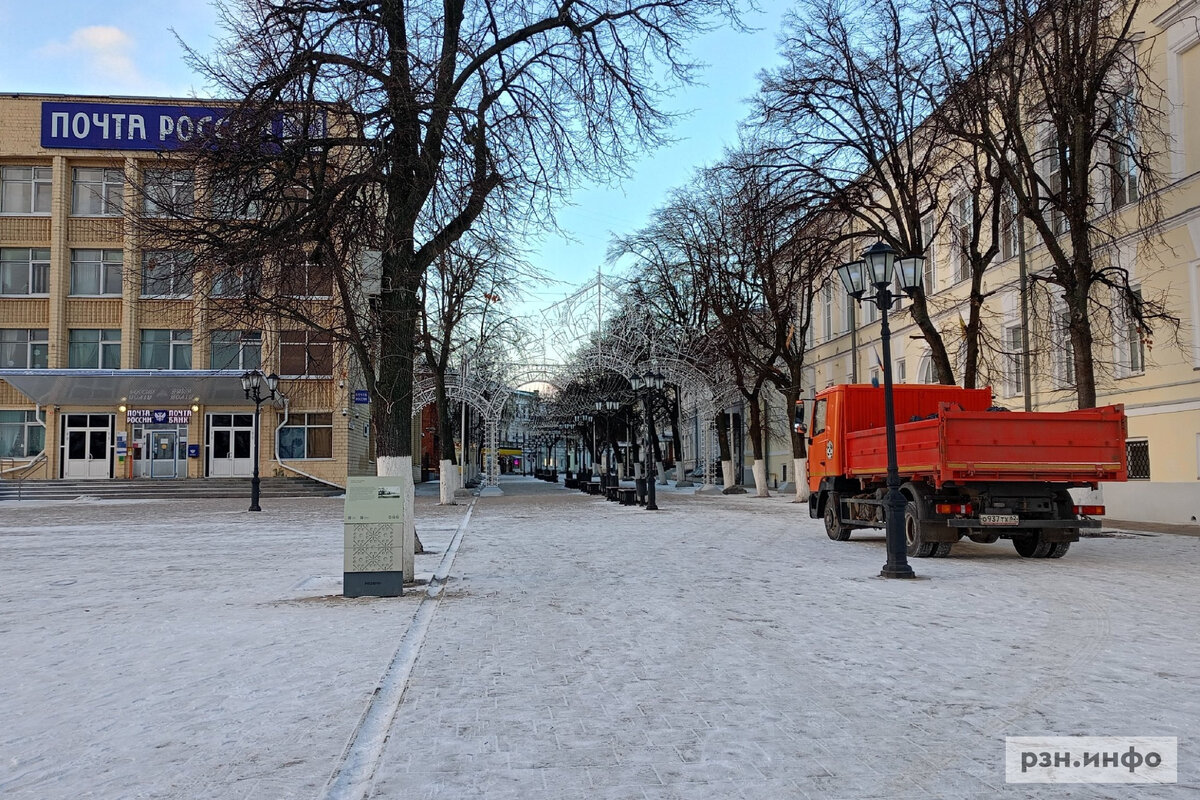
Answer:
x=355 y=772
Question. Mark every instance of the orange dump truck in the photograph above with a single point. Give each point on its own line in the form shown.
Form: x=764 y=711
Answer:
x=967 y=468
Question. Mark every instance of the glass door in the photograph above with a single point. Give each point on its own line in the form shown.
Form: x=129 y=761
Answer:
x=87 y=446
x=163 y=454
x=230 y=445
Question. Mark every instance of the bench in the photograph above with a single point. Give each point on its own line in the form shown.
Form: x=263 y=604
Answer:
x=627 y=495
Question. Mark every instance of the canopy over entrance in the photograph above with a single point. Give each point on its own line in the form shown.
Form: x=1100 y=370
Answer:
x=100 y=387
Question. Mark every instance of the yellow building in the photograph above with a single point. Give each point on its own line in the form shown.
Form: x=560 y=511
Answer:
x=1157 y=381
x=111 y=367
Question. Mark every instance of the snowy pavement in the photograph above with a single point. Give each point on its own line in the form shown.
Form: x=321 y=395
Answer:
x=722 y=647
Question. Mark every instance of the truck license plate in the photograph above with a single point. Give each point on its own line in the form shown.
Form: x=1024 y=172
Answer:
x=999 y=519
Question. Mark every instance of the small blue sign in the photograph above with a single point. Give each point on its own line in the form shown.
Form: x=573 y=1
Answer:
x=158 y=417
x=193 y=451
x=361 y=396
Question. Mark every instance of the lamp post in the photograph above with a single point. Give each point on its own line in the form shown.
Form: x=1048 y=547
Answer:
x=874 y=272
x=650 y=380
x=253 y=385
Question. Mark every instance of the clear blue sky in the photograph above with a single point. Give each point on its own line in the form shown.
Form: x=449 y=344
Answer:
x=125 y=47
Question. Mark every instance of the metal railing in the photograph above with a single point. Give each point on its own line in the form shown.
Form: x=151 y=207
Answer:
x=20 y=469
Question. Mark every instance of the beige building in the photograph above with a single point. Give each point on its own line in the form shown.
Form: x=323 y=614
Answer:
x=1157 y=381
x=112 y=367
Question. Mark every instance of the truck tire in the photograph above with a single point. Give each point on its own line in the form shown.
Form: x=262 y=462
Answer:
x=1058 y=549
x=1032 y=546
x=941 y=549
x=834 y=527
x=917 y=546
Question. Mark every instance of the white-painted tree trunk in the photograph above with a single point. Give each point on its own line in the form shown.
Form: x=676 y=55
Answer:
x=402 y=467
x=800 y=465
x=727 y=473
x=760 y=478
x=448 y=474
x=662 y=473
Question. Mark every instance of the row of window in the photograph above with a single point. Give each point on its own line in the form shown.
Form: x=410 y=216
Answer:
x=300 y=352
x=96 y=191
x=305 y=436
x=25 y=271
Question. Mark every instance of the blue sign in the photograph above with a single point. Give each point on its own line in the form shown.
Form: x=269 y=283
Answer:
x=121 y=126
x=193 y=451
x=361 y=396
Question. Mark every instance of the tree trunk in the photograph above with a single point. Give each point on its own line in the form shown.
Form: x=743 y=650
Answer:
x=759 y=467
x=798 y=440
x=447 y=474
x=942 y=369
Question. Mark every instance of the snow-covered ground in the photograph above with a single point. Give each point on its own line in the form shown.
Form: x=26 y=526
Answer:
x=721 y=647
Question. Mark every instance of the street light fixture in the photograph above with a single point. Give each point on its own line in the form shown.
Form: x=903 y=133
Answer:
x=252 y=385
x=871 y=277
x=649 y=380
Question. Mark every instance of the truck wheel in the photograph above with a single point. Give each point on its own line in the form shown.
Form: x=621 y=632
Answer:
x=1032 y=546
x=833 y=524
x=1058 y=549
x=941 y=549
x=917 y=546
x=984 y=538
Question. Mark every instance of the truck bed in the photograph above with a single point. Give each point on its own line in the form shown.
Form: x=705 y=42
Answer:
x=1082 y=447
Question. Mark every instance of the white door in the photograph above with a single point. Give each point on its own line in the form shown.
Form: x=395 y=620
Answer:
x=87 y=446
x=230 y=450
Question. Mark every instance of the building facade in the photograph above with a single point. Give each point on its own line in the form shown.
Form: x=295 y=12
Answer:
x=1157 y=378
x=110 y=365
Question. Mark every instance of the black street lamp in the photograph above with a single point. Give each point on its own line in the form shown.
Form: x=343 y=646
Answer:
x=648 y=381
x=252 y=384
x=875 y=271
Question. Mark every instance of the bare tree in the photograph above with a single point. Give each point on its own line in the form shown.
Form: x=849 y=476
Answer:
x=394 y=126
x=850 y=114
x=465 y=284
x=1059 y=97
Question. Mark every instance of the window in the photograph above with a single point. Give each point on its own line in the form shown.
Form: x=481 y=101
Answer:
x=22 y=434
x=307 y=436
x=964 y=221
x=96 y=272
x=1137 y=454
x=94 y=349
x=818 y=420
x=241 y=281
x=235 y=199
x=166 y=273
x=305 y=353
x=309 y=279
x=25 y=190
x=167 y=193
x=97 y=192
x=925 y=370
x=827 y=319
x=240 y=350
x=900 y=371
x=928 y=231
x=1014 y=362
x=165 y=349
x=1123 y=145
x=1010 y=231
x=22 y=348
x=1063 y=351
x=1052 y=164
x=1131 y=344
x=24 y=270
